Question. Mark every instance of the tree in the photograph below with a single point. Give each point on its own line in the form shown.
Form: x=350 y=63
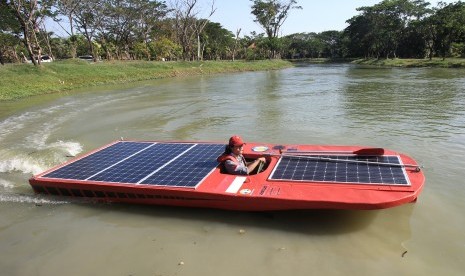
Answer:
x=236 y=42
x=88 y=16
x=332 y=42
x=216 y=41
x=8 y=48
x=30 y=15
x=165 y=49
x=328 y=44
x=68 y=8
x=381 y=28
x=9 y=30
x=358 y=32
x=118 y=24
x=449 y=22
x=187 y=26
x=271 y=15
x=150 y=13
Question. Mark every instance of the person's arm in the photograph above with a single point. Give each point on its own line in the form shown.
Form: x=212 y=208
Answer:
x=252 y=165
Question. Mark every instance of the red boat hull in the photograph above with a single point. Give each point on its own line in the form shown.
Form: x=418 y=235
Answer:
x=254 y=192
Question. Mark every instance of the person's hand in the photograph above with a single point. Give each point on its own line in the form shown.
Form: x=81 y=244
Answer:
x=262 y=159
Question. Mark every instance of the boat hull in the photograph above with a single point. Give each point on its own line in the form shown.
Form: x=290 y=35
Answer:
x=257 y=192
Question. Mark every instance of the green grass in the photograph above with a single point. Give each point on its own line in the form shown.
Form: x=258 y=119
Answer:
x=24 y=80
x=435 y=62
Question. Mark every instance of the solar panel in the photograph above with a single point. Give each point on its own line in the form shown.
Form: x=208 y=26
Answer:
x=96 y=162
x=342 y=169
x=133 y=169
x=164 y=164
x=189 y=169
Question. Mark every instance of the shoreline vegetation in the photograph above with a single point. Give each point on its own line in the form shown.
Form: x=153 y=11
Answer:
x=396 y=62
x=24 y=80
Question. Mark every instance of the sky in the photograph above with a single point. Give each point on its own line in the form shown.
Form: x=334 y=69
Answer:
x=315 y=16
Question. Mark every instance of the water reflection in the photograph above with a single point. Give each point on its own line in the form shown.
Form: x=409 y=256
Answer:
x=414 y=102
x=308 y=222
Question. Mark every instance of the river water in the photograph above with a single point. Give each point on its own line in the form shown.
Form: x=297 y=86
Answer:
x=420 y=112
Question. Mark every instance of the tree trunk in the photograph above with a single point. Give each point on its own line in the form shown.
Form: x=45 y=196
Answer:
x=28 y=22
x=27 y=44
x=90 y=44
x=235 y=44
x=15 y=55
x=47 y=40
x=198 y=47
x=1 y=57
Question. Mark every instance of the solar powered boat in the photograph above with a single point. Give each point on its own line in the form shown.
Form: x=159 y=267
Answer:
x=187 y=174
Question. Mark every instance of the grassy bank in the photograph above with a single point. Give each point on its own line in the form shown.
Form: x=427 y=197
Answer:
x=435 y=62
x=23 y=80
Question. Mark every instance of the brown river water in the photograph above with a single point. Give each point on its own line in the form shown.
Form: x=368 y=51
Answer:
x=420 y=112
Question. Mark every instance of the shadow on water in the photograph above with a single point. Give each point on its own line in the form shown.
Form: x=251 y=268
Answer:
x=311 y=222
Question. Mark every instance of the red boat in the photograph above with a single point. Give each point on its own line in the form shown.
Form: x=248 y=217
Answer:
x=187 y=174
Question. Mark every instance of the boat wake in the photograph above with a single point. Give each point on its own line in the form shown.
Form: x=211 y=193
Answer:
x=27 y=149
x=34 y=161
x=25 y=139
x=30 y=199
x=6 y=184
x=34 y=141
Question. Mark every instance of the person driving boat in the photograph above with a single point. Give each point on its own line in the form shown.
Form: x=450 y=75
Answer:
x=233 y=160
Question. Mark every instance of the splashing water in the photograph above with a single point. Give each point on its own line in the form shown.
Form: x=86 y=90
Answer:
x=6 y=184
x=29 y=199
x=39 y=159
x=33 y=153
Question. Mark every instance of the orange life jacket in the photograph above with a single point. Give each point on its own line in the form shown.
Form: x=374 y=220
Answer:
x=222 y=158
x=225 y=156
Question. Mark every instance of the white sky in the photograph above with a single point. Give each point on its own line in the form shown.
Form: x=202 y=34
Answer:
x=315 y=15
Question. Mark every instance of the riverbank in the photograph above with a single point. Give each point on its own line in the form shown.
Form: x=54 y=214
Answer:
x=24 y=80
x=397 y=62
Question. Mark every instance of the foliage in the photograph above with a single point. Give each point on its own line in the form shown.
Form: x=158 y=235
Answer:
x=217 y=42
x=29 y=15
x=165 y=50
x=379 y=30
x=152 y=30
x=406 y=28
x=449 y=22
x=271 y=15
x=435 y=62
x=9 y=46
x=8 y=20
x=188 y=27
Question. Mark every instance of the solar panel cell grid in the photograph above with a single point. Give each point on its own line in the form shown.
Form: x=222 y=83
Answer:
x=342 y=169
x=189 y=169
x=90 y=165
x=134 y=169
x=163 y=164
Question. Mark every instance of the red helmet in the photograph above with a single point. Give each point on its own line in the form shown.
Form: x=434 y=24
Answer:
x=235 y=141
